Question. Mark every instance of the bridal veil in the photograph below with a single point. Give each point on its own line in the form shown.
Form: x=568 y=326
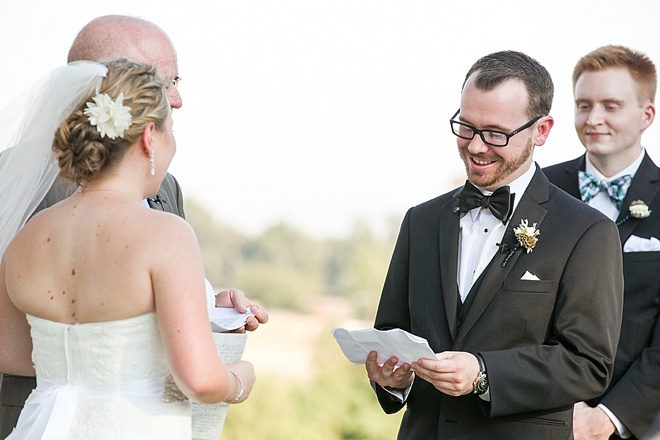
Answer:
x=27 y=126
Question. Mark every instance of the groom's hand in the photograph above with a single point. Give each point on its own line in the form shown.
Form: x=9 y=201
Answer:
x=452 y=372
x=388 y=375
x=236 y=299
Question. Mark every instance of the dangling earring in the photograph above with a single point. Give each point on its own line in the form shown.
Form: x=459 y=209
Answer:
x=152 y=169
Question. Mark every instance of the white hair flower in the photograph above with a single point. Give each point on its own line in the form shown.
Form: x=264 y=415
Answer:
x=110 y=117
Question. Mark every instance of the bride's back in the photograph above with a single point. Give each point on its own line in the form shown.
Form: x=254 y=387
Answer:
x=90 y=257
x=85 y=259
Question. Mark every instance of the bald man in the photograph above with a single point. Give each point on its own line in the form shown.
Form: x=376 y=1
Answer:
x=107 y=38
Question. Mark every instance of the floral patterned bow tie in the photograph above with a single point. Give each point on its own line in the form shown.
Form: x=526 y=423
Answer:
x=616 y=189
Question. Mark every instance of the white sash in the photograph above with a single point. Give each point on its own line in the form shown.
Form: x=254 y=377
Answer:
x=50 y=409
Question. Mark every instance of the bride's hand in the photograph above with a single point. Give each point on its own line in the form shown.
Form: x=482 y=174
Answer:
x=237 y=299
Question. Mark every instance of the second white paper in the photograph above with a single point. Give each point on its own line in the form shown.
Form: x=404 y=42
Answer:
x=357 y=344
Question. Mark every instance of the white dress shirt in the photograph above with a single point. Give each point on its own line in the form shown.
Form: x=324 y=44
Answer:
x=480 y=232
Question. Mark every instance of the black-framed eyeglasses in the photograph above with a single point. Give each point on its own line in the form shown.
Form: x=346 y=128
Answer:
x=493 y=138
x=175 y=82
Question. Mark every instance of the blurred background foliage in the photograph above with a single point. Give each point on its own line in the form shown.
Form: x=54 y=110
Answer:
x=284 y=269
x=337 y=404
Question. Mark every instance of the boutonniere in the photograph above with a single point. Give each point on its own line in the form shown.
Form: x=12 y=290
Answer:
x=637 y=209
x=527 y=237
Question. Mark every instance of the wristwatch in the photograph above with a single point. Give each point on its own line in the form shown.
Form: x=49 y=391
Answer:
x=480 y=384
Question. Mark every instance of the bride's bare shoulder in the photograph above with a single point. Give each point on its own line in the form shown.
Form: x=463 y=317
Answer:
x=165 y=224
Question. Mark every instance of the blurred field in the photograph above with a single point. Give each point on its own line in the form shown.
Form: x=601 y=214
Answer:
x=285 y=346
x=306 y=389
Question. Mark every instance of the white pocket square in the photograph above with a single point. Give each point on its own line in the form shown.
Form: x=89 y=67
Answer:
x=529 y=276
x=640 y=244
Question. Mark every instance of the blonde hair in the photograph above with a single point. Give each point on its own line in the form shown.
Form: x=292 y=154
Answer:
x=81 y=152
x=640 y=67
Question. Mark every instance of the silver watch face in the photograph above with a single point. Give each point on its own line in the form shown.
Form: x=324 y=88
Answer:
x=481 y=384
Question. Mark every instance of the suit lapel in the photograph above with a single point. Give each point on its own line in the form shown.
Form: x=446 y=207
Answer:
x=569 y=181
x=528 y=209
x=449 y=260
x=644 y=187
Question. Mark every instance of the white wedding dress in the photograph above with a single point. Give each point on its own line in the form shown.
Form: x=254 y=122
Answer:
x=100 y=381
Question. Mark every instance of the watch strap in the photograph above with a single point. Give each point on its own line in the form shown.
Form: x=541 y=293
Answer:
x=482 y=364
x=480 y=384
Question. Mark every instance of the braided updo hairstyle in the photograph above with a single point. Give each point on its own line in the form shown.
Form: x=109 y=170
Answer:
x=80 y=150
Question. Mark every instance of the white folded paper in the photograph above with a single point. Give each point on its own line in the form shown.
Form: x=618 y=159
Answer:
x=406 y=347
x=224 y=319
x=208 y=420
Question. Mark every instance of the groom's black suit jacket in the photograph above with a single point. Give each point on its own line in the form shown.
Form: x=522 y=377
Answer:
x=546 y=343
x=634 y=393
x=15 y=389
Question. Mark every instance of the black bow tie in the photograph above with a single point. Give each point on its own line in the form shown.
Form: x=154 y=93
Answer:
x=499 y=203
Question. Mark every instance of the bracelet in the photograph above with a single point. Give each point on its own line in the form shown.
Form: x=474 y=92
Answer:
x=240 y=384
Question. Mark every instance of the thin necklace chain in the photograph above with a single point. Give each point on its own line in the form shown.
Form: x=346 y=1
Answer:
x=82 y=191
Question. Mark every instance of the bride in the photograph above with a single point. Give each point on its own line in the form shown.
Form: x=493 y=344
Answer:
x=111 y=309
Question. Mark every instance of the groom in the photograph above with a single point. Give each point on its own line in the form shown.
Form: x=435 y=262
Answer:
x=499 y=276
x=106 y=38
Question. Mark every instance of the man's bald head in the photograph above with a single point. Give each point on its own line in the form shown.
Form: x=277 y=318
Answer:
x=118 y=36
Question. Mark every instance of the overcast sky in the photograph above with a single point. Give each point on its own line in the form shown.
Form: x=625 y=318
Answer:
x=319 y=113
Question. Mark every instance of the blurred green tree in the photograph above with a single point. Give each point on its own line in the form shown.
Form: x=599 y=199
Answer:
x=283 y=267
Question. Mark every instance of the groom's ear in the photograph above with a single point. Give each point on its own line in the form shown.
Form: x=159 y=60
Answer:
x=147 y=138
x=542 y=130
